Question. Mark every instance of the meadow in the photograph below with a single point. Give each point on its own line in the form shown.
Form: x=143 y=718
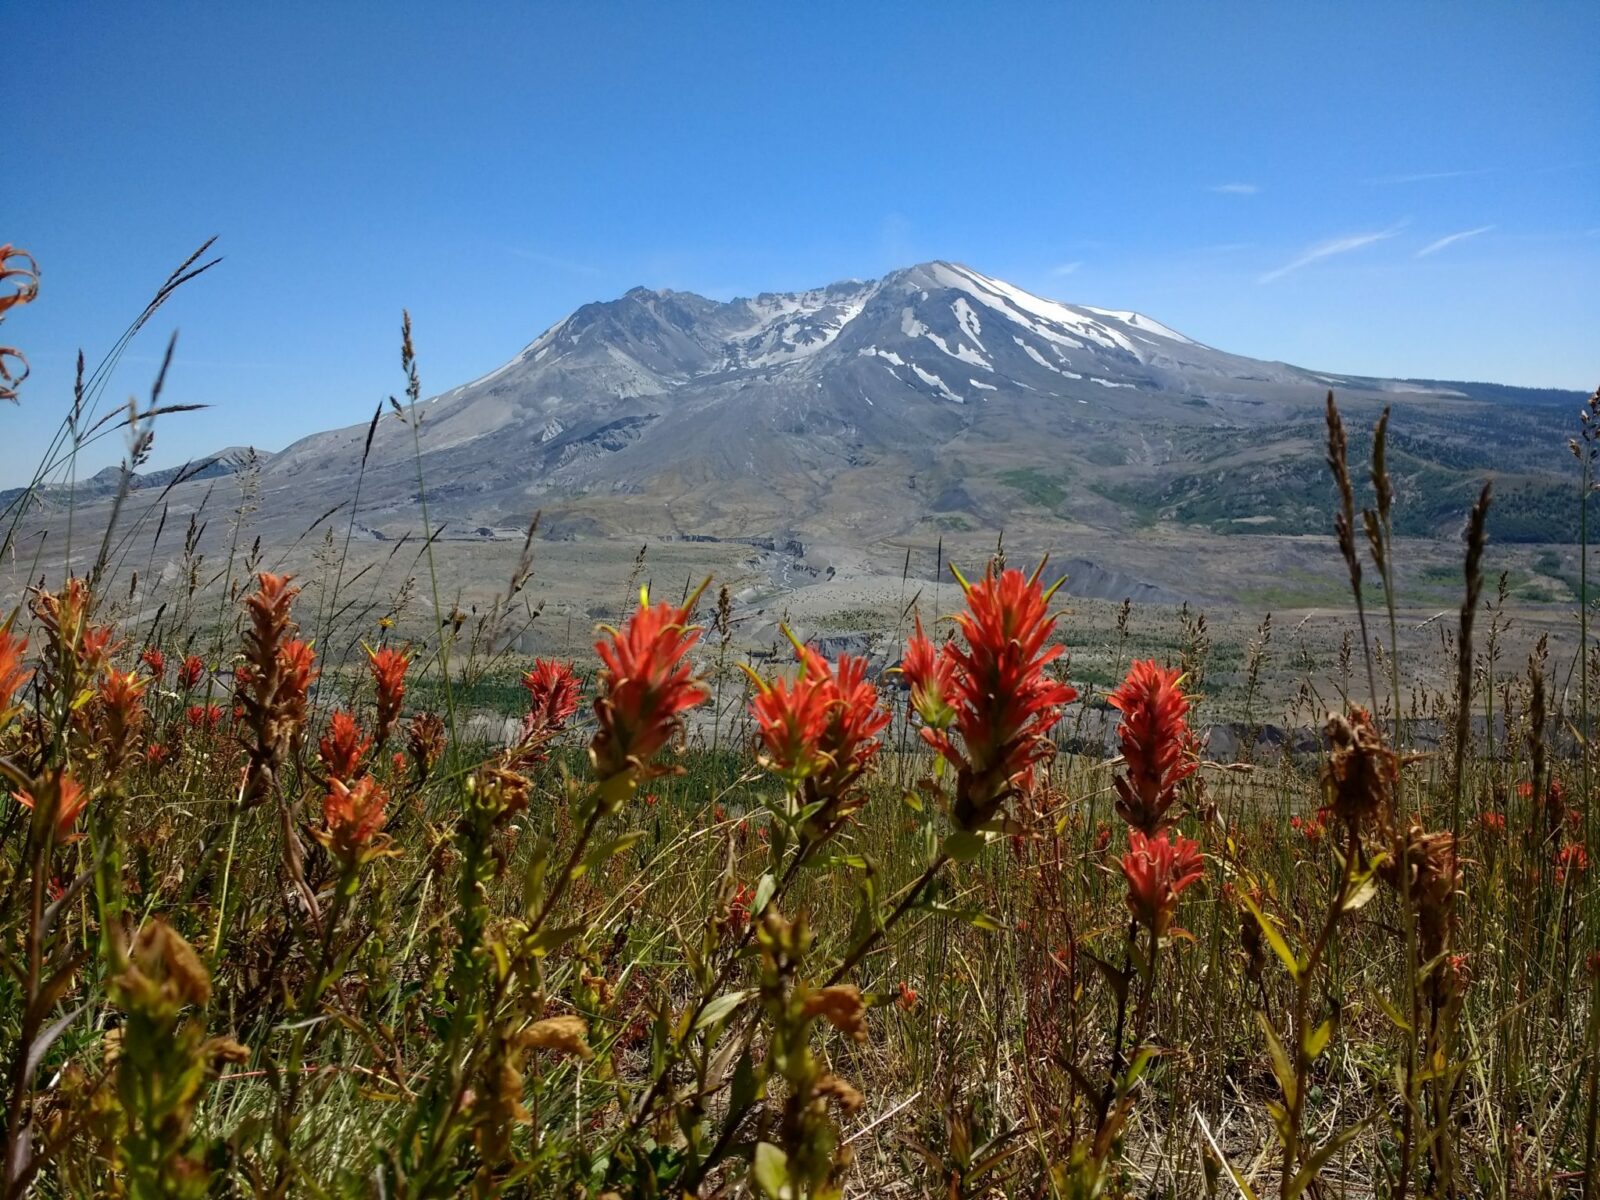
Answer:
x=282 y=915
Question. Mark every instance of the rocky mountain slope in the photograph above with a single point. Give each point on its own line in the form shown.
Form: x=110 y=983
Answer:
x=835 y=428
x=934 y=398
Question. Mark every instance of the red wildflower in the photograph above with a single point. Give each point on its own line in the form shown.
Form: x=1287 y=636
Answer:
x=1313 y=828
x=645 y=687
x=272 y=685
x=1005 y=705
x=297 y=665
x=552 y=697
x=820 y=733
x=791 y=718
x=1158 y=871
x=155 y=660
x=389 y=675
x=1493 y=823
x=930 y=674
x=1573 y=858
x=739 y=906
x=64 y=798
x=121 y=697
x=204 y=716
x=1158 y=750
x=352 y=815
x=13 y=675
x=907 y=999
x=343 y=747
x=157 y=755
x=189 y=673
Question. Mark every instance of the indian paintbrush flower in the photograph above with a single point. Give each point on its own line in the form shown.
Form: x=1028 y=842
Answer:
x=1158 y=749
x=552 y=697
x=645 y=688
x=343 y=748
x=820 y=732
x=389 y=677
x=1158 y=870
x=1005 y=704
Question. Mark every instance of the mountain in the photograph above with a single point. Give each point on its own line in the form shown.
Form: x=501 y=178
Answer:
x=837 y=433
x=933 y=398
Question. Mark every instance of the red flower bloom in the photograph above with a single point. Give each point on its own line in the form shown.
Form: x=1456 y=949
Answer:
x=297 y=668
x=821 y=732
x=1313 y=828
x=352 y=815
x=343 y=747
x=739 y=906
x=1158 y=749
x=1572 y=858
x=791 y=718
x=189 y=673
x=552 y=697
x=1005 y=705
x=13 y=675
x=930 y=673
x=203 y=716
x=157 y=755
x=645 y=688
x=907 y=999
x=1493 y=823
x=1158 y=871
x=155 y=660
x=121 y=698
x=389 y=674
x=63 y=797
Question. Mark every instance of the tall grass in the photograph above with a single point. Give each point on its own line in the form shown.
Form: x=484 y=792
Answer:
x=280 y=917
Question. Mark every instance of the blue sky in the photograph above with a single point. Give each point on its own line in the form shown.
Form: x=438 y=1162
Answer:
x=1387 y=189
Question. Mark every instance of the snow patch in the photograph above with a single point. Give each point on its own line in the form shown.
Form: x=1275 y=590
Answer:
x=933 y=381
x=968 y=320
x=962 y=353
x=887 y=355
x=978 y=383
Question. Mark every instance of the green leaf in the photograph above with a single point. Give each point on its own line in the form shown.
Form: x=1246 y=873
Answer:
x=1274 y=938
x=770 y=1170
x=912 y=801
x=1393 y=1013
x=963 y=846
x=1320 y=1156
x=600 y=853
x=764 y=890
x=548 y=939
x=1317 y=1040
x=975 y=917
x=721 y=1007
x=1359 y=894
x=1281 y=1066
x=746 y=1089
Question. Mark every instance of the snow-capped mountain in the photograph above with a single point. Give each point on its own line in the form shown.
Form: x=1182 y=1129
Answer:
x=935 y=393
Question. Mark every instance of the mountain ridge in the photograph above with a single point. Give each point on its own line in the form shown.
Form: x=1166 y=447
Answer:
x=932 y=400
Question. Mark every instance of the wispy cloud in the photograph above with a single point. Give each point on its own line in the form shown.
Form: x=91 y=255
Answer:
x=1328 y=249
x=551 y=260
x=1429 y=176
x=1451 y=239
x=1234 y=189
x=1066 y=268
